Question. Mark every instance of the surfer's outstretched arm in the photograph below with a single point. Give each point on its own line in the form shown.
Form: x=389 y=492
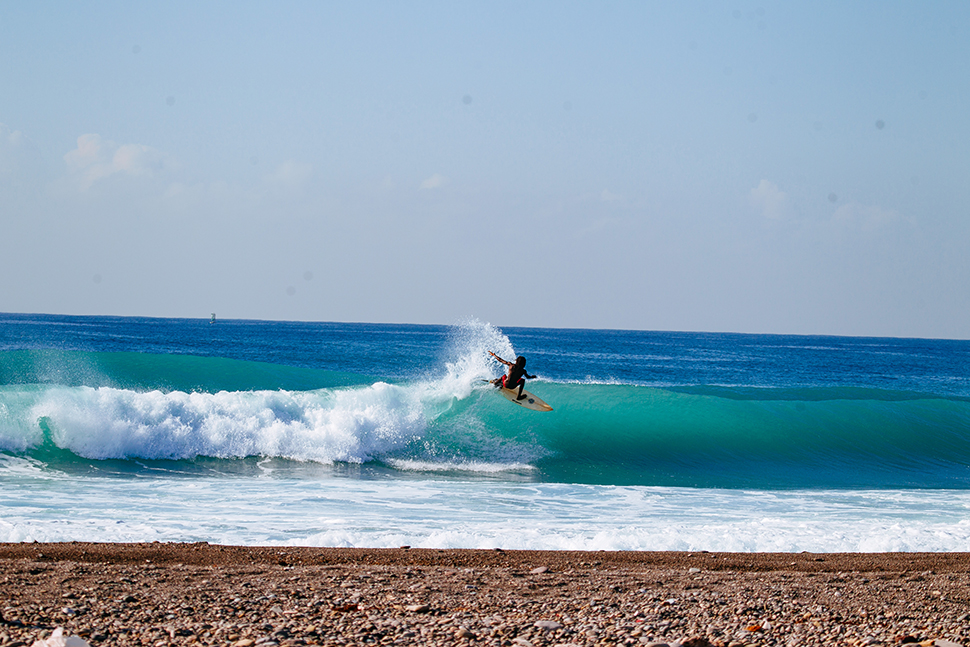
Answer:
x=504 y=361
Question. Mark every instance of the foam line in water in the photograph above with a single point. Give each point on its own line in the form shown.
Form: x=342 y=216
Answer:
x=461 y=514
x=472 y=466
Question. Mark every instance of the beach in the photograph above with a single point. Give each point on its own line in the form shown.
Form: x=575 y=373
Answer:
x=196 y=593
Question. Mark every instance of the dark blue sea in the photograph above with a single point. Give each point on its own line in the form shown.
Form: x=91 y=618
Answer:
x=337 y=434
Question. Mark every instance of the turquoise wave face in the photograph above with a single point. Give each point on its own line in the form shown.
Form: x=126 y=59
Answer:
x=218 y=416
x=765 y=438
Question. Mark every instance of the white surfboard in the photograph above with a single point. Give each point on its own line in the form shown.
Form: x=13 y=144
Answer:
x=529 y=401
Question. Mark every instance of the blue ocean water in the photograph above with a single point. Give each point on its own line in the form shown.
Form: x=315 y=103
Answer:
x=255 y=432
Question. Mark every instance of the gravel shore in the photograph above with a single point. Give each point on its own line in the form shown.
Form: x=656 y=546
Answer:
x=186 y=594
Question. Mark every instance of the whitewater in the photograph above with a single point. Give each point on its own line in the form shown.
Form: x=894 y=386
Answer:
x=326 y=434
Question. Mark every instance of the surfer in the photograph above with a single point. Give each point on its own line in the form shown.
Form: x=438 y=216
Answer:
x=516 y=376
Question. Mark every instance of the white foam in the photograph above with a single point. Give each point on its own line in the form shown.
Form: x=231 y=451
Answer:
x=14 y=467
x=18 y=431
x=474 y=467
x=351 y=425
x=482 y=513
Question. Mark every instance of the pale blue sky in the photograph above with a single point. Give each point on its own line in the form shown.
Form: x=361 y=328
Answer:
x=797 y=167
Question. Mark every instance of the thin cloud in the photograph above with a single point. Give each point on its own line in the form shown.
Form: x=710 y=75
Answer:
x=770 y=200
x=609 y=196
x=20 y=160
x=868 y=219
x=290 y=174
x=435 y=181
x=96 y=159
x=11 y=143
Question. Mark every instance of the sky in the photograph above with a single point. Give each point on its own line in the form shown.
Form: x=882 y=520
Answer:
x=763 y=167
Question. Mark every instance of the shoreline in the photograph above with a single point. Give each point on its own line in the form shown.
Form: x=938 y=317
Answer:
x=200 y=594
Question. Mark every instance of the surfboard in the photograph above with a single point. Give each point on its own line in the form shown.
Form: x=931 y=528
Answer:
x=530 y=401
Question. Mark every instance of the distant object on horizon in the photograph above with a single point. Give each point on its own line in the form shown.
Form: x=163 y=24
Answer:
x=213 y=319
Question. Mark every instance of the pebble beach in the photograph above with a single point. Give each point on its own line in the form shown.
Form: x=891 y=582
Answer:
x=199 y=594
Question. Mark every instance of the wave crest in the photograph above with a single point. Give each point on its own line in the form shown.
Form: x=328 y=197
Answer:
x=353 y=425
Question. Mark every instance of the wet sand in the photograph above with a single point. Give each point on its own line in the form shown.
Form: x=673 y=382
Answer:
x=187 y=594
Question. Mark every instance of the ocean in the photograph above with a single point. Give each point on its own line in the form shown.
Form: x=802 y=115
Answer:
x=122 y=429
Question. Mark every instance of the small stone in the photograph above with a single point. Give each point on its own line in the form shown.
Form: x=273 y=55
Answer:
x=696 y=641
x=539 y=570
x=521 y=641
x=417 y=608
x=547 y=625
x=244 y=642
x=464 y=633
x=693 y=569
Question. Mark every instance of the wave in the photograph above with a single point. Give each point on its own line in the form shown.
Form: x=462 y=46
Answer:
x=62 y=405
x=765 y=437
x=75 y=410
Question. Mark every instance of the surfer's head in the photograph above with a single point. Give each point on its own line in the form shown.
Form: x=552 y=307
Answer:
x=520 y=361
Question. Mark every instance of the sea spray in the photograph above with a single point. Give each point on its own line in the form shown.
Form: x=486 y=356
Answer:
x=467 y=361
